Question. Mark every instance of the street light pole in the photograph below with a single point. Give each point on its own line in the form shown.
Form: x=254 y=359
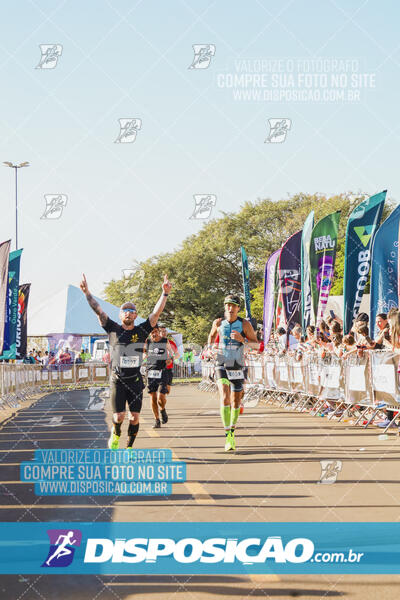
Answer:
x=15 y=167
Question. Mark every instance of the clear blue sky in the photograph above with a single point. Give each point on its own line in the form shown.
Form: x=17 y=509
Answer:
x=130 y=59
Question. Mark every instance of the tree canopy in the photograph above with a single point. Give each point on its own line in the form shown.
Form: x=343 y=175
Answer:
x=207 y=265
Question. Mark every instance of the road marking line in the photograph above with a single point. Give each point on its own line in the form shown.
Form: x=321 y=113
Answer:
x=199 y=493
x=150 y=432
x=264 y=578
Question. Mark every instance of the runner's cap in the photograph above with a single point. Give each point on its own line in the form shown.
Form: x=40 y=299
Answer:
x=131 y=305
x=232 y=299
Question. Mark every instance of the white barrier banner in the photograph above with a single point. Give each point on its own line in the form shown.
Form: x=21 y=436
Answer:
x=67 y=374
x=83 y=373
x=101 y=372
x=270 y=372
x=283 y=372
x=331 y=377
x=257 y=372
x=297 y=374
x=384 y=378
x=357 y=378
x=314 y=375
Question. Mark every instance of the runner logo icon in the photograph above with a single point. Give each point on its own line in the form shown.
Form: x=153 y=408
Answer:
x=62 y=547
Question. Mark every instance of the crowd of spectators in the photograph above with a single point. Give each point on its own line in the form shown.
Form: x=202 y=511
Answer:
x=65 y=356
x=328 y=338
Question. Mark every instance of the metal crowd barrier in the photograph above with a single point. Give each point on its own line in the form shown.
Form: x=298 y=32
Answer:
x=19 y=381
x=356 y=387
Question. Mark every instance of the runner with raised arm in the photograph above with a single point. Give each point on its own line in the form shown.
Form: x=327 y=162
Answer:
x=126 y=350
x=233 y=332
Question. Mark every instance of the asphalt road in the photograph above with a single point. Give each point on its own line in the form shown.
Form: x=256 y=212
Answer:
x=273 y=476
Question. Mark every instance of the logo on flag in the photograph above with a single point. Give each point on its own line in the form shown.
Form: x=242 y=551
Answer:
x=364 y=233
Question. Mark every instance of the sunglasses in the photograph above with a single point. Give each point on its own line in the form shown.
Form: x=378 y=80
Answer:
x=131 y=310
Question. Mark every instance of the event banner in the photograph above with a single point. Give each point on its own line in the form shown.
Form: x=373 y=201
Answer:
x=22 y=321
x=290 y=279
x=246 y=287
x=361 y=228
x=206 y=548
x=11 y=314
x=246 y=282
x=269 y=294
x=305 y=272
x=384 y=274
x=322 y=261
x=62 y=341
x=4 y=257
x=279 y=314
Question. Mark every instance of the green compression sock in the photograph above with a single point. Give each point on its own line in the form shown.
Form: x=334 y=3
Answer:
x=234 y=417
x=225 y=412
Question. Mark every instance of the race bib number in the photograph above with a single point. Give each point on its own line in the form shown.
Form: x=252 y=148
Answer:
x=154 y=374
x=235 y=374
x=129 y=362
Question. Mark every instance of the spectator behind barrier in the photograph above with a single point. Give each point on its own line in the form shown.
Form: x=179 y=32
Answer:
x=383 y=338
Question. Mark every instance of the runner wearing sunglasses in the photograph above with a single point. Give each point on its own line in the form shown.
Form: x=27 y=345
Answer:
x=126 y=350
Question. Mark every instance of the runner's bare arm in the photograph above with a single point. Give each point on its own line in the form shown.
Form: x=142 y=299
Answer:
x=159 y=307
x=92 y=302
x=213 y=332
x=250 y=334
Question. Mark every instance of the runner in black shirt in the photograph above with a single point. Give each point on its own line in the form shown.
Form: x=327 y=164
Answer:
x=126 y=348
x=157 y=375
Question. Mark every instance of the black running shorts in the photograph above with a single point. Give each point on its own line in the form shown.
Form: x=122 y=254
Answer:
x=126 y=392
x=233 y=376
x=158 y=384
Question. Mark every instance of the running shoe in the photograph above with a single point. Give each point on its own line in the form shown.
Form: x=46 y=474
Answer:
x=157 y=424
x=164 y=416
x=233 y=441
x=228 y=445
x=113 y=442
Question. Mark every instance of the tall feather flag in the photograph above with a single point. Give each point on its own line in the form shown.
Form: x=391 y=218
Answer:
x=306 y=303
x=361 y=229
x=384 y=274
x=322 y=260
